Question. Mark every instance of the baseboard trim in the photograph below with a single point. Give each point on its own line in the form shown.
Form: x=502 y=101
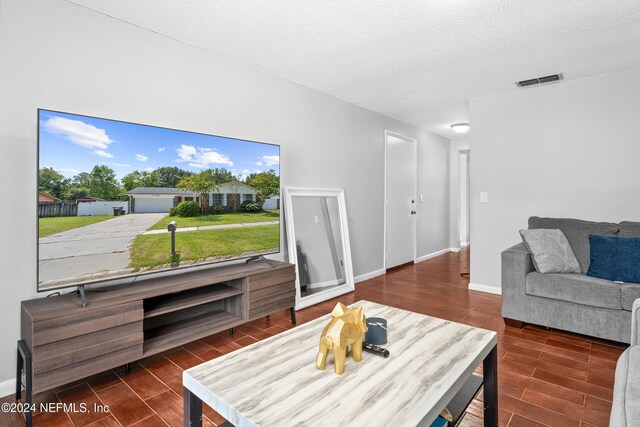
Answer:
x=454 y=249
x=485 y=288
x=369 y=275
x=7 y=387
x=431 y=255
x=464 y=243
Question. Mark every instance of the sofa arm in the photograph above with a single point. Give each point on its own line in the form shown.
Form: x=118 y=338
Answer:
x=516 y=264
x=635 y=322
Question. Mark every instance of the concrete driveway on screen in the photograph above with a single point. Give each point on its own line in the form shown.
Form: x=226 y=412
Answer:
x=103 y=246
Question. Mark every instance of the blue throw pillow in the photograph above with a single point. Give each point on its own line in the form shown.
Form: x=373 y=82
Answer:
x=615 y=258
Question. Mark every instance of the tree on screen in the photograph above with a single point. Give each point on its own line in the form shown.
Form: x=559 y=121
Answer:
x=221 y=176
x=103 y=183
x=81 y=180
x=75 y=192
x=201 y=183
x=267 y=184
x=52 y=182
x=170 y=176
x=137 y=179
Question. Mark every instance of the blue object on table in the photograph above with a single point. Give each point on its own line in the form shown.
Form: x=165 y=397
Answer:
x=376 y=331
x=615 y=258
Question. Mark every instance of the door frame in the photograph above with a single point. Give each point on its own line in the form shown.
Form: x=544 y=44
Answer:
x=467 y=153
x=387 y=134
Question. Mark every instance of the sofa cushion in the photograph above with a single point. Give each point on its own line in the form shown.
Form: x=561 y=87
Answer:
x=629 y=229
x=550 y=250
x=577 y=233
x=615 y=258
x=576 y=288
x=629 y=293
x=625 y=409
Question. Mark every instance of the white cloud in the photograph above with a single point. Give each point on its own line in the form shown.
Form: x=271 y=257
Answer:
x=122 y=165
x=103 y=153
x=201 y=157
x=141 y=158
x=149 y=169
x=269 y=160
x=259 y=163
x=186 y=152
x=78 y=132
x=161 y=149
x=257 y=171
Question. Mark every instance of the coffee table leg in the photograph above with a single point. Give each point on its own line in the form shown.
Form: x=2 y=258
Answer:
x=490 y=382
x=192 y=409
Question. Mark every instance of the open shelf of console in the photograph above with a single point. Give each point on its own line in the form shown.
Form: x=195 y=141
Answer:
x=164 y=304
x=195 y=313
x=172 y=334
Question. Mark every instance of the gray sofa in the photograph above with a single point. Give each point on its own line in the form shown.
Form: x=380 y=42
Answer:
x=571 y=302
x=625 y=410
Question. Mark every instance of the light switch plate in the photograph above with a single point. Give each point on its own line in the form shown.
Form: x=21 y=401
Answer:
x=484 y=197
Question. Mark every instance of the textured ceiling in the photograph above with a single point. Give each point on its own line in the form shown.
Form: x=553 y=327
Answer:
x=414 y=60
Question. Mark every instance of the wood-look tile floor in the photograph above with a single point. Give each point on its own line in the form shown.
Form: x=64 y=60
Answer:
x=550 y=378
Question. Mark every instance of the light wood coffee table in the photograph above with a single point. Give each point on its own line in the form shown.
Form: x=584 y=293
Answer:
x=274 y=382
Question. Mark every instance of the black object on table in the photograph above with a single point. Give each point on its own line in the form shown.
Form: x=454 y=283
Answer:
x=372 y=348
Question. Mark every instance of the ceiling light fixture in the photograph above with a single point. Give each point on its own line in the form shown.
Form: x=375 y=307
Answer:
x=460 y=127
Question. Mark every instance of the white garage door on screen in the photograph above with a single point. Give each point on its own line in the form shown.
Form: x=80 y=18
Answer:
x=153 y=205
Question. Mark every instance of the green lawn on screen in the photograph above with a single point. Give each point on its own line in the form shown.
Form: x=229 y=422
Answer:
x=218 y=219
x=150 y=250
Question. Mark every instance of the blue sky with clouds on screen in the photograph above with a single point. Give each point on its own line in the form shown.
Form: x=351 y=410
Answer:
x=72 y=143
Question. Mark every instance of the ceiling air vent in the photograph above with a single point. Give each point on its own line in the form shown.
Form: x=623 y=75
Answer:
x=545 y=79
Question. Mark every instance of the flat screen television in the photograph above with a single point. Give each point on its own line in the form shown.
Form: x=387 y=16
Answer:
x=108 y=191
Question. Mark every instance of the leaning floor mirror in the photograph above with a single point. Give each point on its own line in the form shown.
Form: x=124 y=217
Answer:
x=318 y=243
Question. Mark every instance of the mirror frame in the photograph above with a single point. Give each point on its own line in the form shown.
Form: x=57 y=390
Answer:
x=289 y=212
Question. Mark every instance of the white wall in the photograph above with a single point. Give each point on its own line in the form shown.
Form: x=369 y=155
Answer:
x=271 y=203
x=433 y=185
x=61 y=56
x=455 y=148
x=569 y=149
x=100 y=208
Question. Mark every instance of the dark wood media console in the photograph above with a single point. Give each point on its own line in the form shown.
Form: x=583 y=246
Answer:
x=61 y=341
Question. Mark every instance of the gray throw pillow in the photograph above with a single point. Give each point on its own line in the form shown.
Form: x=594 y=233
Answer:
x=551 y=251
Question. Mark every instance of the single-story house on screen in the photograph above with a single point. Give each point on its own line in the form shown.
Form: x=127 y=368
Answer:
x=232 y=193
x=161 y=199
x=157 y=199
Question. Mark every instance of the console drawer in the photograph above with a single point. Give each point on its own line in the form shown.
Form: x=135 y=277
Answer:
x=83 y=347
x=60 y=328
x=66 y=374
x=277 y=276
x=265 y=310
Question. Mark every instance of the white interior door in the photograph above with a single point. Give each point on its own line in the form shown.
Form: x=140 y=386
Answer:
x=400 y=200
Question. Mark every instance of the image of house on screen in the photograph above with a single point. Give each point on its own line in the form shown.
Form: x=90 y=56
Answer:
x=161 y=199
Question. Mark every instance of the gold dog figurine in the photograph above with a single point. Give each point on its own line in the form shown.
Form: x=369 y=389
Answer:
x=346 y=329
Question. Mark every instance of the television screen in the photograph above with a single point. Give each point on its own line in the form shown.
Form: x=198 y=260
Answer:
x=108 y=191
